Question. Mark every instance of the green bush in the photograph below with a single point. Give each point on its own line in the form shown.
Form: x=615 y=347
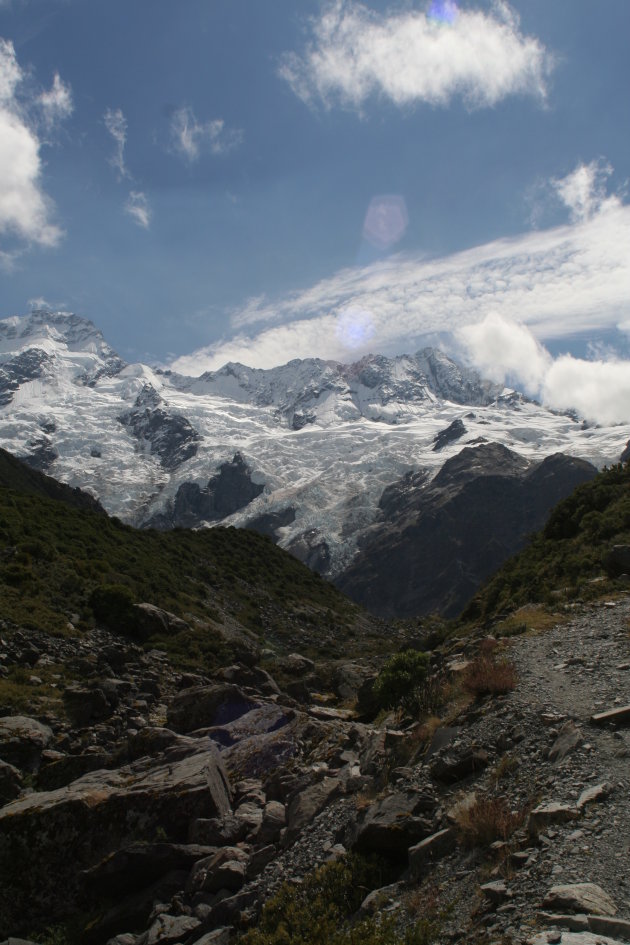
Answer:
x=113 y=605
x=319 y=911
x=400 y=681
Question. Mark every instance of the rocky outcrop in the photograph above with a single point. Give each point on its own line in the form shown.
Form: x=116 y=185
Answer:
x=436 y=541
x=454 y=431
x=169 y=436
x=229 y=491
x=24 y=367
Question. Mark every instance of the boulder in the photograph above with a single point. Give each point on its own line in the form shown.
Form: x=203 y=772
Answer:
x=22 y=741
x=453 y=767
x=431 y=849
x=225 y=869
x=308 y=803
x=205 y=706
x=168 y=929
x=10 y=782
x=45 y=838
x=85 y=705
x=567 y=741
x=273 y=822
x=141 y=864
x=580 y=897
x=552 y=813
x=395 y=823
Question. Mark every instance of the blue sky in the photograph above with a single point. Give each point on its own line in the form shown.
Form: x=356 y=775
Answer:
x=257 y=181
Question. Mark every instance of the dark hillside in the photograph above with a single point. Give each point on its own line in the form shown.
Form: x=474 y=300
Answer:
x=14 y=474
x=572 y=557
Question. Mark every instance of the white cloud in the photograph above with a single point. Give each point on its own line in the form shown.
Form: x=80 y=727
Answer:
x=137 y=207
x=56 y=103
x=411 y=56
x=25 y=209
x=558 y=282
x=190 y=137
x=583 y=191
x=116 y=124
x=506 y=351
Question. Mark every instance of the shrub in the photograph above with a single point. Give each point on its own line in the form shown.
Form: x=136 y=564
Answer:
x=487 y=819
x=113 y=605
x=489 y=677
x=316 y=912
x=400 y=681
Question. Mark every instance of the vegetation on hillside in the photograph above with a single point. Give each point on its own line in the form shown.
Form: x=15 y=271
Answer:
x=567 y=559
x=58 y=564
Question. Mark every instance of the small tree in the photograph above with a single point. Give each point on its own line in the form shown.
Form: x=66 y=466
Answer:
x=400 y=681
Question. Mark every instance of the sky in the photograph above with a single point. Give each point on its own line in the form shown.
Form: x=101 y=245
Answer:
x=231 y=180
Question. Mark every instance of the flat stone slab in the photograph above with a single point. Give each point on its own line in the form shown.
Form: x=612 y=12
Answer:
x=619 y=716
x=599 y=792
x=572 y=938
x=432 y=848
x=580 y=897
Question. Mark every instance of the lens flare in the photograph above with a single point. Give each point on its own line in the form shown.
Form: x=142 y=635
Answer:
x=443 y=11
x=355 y=327
x=385 y=221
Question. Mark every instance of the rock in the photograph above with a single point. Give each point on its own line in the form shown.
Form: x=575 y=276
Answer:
x=61 y=771
x=580 y=897
x=496 y=892
x=618 y=716
x=151 y=620
x=216 y=937
x=205 y=706
x=273 y=822
x=85 y=705
x=573 y=938
x=151 y=741
x=225 y=869
x=308 y=803
x=297 y=665
x=392 y=825
x=567 y=741
x=598 y=792
x=547 y=814
x=454 y=767
x=168 y=929
x=22 y=741
x=134 y=911
x=218 y=831
x=141 y=864
x=45 y=837
x=260 y=859
x=10 y=782
x=432 y=848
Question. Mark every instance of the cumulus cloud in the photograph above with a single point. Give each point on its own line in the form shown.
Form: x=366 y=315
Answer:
x=25 y=209
x=137 y=207
x=190 y=137
x=583 y=191
x=559 y=282
x=507 y=351
x=411 y=56
x=116 y=124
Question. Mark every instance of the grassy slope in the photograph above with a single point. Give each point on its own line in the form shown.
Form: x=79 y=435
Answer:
x=53 y=555
x=566 y=559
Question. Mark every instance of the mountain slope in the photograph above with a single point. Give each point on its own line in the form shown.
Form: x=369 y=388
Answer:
x=572 y=557
x=303 y=452
x=437 y=540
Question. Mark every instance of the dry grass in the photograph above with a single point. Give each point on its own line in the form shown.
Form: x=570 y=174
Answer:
x=486 y=820
x=487 y=676
x=530 y=617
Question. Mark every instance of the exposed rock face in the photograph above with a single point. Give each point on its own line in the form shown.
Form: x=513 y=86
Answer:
x=453 y=432
x=436 y=541
x=95 y=815
x=270 y=522
x=26 y=366
x=170 y=436
x=227 y=492
x=625 y=456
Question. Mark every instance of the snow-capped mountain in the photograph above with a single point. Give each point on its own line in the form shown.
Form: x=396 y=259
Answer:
x=304 y=451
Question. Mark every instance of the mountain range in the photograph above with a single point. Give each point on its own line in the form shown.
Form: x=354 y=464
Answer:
x=356 y=469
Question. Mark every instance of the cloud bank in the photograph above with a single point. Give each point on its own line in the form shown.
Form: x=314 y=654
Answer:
x=25 y=209
x=556 y=283
x=411 y=56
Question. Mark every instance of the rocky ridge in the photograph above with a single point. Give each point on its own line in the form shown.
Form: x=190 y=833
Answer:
x=217 y=790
